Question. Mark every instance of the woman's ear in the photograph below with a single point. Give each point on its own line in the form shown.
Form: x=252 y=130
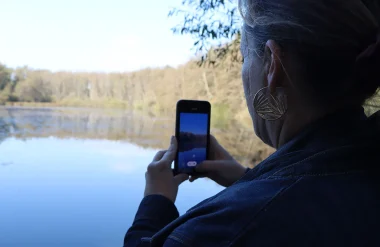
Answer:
x=275 y=71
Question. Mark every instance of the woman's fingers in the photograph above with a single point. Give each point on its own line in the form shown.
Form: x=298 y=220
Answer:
x=208 y=166
x=193 y=178
x=164 y=158
x=169 y=156
x=213 y=140
x=180 y=178
x=159 y=155
x=213 y=143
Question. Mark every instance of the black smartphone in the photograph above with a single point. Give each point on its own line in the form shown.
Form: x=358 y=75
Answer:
x=193 y=134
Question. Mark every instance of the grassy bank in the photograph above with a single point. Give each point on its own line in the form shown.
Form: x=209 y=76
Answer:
x=221 y=114
x=73 y=103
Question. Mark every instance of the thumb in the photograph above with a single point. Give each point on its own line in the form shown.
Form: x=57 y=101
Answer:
x=169 y=156
x=180 y=178
x=208 y=166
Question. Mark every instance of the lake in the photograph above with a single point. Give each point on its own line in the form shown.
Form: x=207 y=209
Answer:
x=75 y=177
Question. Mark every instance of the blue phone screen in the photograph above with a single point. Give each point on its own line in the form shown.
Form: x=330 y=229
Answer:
x=192 y=141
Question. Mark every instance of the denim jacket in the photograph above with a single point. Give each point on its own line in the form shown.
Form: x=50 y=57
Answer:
x=320 y=189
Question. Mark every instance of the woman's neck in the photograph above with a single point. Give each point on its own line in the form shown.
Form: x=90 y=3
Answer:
x=295 y=122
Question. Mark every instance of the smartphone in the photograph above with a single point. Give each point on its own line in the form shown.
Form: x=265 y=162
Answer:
x=193 y=134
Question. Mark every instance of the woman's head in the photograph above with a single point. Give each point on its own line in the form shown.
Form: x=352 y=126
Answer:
x=323 y=54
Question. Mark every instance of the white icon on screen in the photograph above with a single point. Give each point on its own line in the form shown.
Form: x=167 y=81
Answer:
x=191 y=163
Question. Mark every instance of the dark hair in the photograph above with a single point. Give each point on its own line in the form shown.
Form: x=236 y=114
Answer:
x=336 y=41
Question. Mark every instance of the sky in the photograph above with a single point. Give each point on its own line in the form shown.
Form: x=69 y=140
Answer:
x=195 y=123
x=91 y=35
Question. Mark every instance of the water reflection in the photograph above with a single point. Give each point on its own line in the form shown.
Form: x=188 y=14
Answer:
x=75 y=177
x=70 y=192
x=142 y=130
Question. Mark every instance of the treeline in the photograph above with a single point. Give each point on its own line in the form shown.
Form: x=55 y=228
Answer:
x=156 y=90
x=153 y=90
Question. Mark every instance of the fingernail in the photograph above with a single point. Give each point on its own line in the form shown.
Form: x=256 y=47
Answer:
x=172 y=140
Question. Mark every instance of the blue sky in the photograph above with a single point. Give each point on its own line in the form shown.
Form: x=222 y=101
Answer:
x=195 y=123
x=91 y=35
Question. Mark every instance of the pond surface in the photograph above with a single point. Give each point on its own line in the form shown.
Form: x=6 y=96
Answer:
x=75 y=177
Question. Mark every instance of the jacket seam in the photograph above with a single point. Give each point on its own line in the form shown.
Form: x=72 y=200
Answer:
x=246 y=175
x=266 y=163
x=317 y=174
x=146 y=239
x=244 y=229
x=179 y=240
x=307 y=159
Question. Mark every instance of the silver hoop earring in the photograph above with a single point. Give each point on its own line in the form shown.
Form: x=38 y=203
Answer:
x=270 y=106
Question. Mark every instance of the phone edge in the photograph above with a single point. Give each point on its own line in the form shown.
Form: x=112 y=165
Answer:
x=175 y=170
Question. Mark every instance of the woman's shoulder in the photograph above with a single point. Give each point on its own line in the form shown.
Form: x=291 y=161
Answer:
x=322 y=210
x=218 y=221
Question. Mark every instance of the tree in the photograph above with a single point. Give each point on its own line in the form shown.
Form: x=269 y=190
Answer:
x=5 y=77
x=208 y=22
x=5 y=83
x=35 y=88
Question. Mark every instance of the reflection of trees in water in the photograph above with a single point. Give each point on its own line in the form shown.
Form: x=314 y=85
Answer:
x=4 y=131
x=6 y=124
x=142 y=130
x=190 y=141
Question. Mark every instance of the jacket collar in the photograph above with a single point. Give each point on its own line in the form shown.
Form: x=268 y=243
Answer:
x=346 y=127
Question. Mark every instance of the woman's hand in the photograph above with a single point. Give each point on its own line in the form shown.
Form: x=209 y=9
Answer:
x=221 y=167
x=159 y=176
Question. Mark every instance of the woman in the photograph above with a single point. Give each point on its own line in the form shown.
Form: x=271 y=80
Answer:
x=308 y=67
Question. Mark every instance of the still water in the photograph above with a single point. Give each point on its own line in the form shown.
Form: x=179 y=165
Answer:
x=75 y=177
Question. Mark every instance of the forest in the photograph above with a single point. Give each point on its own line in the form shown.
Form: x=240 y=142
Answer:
x=150 y=90
x=215 y=76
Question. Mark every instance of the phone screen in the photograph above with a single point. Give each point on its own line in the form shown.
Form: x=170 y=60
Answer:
x=192 y=140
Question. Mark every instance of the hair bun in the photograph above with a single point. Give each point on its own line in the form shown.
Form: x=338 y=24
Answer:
x=367 y=68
